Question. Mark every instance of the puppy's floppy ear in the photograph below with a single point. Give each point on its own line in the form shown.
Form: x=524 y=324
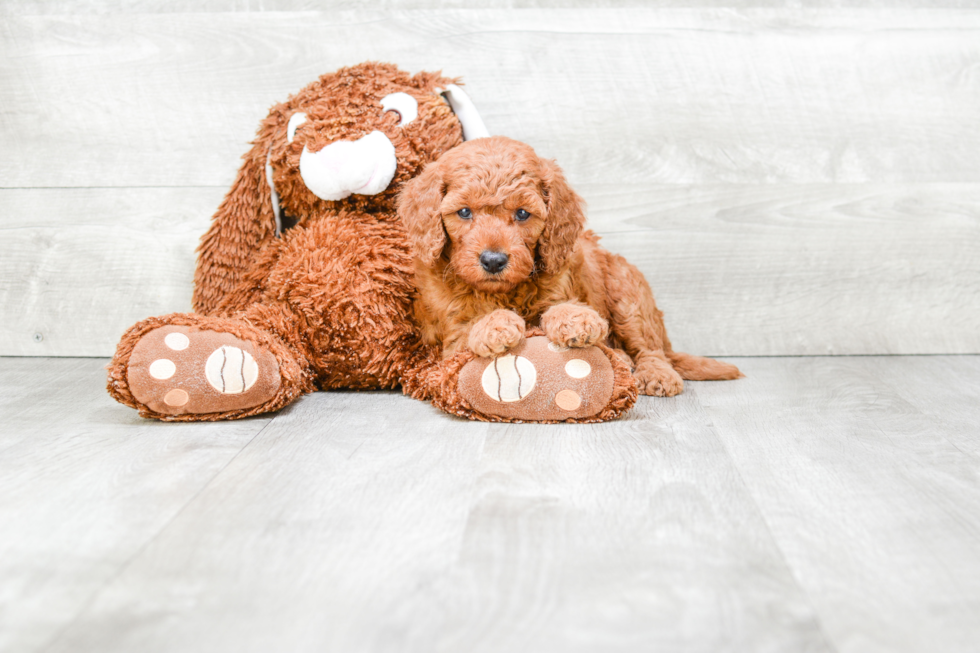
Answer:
x=565 y=221
x=418 y=209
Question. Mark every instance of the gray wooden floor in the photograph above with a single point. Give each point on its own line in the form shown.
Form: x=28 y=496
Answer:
x=819 y=504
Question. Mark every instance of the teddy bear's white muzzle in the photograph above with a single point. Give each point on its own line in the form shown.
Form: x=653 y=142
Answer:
x=365 y=167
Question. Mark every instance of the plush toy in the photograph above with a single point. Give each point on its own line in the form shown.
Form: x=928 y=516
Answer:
x=304 y=280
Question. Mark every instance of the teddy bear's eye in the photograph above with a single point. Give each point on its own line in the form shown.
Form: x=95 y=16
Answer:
x=521 y=215
x=464 y=213
x=402 y=104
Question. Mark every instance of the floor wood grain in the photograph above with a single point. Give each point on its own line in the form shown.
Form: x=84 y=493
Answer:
x=632 y=536
x=104 y=7
x=84 y=487
x=877 y=511
x=336 y=515
x=951 y=404
x=820 y=504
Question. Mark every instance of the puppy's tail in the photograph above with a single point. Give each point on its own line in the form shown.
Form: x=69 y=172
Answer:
x=699 y=368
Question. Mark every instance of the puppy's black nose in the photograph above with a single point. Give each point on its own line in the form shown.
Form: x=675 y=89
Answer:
x=493 y=262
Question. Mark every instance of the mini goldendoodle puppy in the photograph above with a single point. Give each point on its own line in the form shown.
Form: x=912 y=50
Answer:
x=499 y=242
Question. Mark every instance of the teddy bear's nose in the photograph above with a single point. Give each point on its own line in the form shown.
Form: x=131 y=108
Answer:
x=493 y=262
x=365 y=167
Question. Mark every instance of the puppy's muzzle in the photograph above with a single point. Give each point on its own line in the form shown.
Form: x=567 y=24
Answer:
x=493 y=262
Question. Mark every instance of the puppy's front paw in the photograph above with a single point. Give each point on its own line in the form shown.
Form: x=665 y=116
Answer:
x=495 y=333
x=571 y=325
x=655 y=377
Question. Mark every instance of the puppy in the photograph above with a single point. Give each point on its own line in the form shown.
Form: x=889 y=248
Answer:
x=499 y=244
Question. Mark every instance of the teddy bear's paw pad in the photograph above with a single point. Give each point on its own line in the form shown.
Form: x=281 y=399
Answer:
x=537 y=381
x=177 y=369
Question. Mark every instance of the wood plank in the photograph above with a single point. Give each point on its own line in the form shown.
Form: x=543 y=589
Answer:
x=365 y=521
x=85 y=483
x=82 y=265
x=805 y=269
x=877 y=513
x=345 y=506
x=31 y=383
x=810 y=506
x=738 y=269
x=107 y=7
x=24 y=376
x=637 y=535
x=944 y=391
x=633 y=95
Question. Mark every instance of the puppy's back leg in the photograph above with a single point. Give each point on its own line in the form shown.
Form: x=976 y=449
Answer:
x=639 y=324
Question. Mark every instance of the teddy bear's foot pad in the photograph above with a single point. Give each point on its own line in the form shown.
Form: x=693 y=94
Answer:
x=539 y=381
x=175 y=370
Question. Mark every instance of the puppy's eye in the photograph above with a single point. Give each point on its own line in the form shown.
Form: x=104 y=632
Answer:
x=521 y=215
x=465 y=213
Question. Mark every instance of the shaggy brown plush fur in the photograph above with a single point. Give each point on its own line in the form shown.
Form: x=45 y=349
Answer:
x=499 y=244
x=340 y=106
x=331 y=298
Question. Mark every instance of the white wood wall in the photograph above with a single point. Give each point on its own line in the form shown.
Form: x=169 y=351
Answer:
x=791 y=180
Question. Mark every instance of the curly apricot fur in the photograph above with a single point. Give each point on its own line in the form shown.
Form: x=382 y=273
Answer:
x=574 y=325
x=557 y=276
x=495 y=333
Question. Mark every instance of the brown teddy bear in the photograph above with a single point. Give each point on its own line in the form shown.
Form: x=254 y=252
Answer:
x=305 y=279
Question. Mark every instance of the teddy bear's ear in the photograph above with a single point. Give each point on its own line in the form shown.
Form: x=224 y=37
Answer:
x=243 y=223
x=566 y=218
x=465 y=111
x=419 y=204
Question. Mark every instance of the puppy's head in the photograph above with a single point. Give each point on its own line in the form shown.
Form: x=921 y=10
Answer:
x=495 y=210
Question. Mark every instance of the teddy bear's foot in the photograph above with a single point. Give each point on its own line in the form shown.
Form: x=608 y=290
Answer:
x=539 y=381
x=178 y=370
